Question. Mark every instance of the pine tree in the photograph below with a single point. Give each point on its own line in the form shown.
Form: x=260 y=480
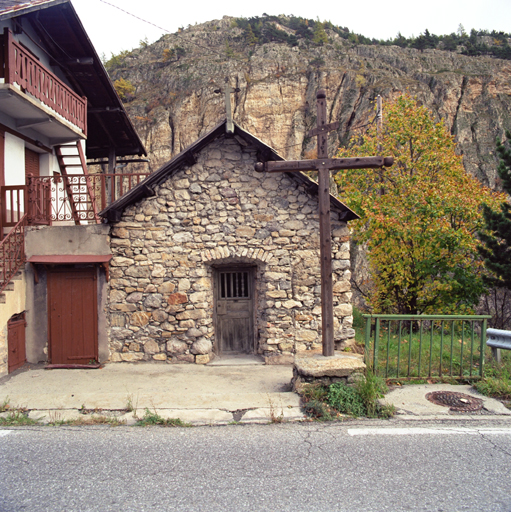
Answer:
x=320 y=36
x=496 y=250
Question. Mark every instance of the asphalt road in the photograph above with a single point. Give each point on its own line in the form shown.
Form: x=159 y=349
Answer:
x=353 y=466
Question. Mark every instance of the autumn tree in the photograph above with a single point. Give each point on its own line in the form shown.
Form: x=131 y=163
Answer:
x=125 y=89
x=419 y=218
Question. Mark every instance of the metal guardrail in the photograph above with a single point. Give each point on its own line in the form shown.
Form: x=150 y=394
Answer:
x=498 y=339
x=408 y=347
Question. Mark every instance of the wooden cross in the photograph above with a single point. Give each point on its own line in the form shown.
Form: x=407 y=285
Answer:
x=324 y=165
x=228 y=90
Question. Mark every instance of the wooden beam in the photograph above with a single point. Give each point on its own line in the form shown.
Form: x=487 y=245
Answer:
x=323 y=129
x=370 y=162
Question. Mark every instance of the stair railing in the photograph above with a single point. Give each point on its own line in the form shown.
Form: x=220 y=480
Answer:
x=12 y=252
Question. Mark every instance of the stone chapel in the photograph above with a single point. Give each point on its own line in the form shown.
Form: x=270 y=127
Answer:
x=211 y=258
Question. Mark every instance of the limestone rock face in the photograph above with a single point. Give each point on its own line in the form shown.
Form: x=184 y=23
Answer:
x=175 y=100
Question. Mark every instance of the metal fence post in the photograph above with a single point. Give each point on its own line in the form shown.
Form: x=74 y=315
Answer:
x=483 y=342
x=367 y=340
x=376 y=343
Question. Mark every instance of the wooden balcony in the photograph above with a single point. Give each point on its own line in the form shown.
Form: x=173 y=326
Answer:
x=35 y=98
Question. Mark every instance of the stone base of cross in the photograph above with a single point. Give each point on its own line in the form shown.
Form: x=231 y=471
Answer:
x=323 y=165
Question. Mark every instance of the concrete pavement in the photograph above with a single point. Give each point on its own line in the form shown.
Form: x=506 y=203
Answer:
x=230 y=390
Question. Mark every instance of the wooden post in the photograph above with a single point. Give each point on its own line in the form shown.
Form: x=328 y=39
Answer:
x=325 y=232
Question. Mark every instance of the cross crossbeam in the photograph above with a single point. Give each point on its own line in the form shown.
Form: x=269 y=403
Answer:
x=323 y=165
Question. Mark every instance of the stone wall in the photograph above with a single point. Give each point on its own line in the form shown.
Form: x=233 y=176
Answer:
x=216 y=212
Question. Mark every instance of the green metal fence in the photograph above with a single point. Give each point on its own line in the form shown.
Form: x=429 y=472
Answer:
x=421 y=346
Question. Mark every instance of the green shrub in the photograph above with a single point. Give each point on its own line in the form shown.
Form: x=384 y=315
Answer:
x=346 y=400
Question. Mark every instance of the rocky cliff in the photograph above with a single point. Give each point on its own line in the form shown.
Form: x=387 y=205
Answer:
x=174 y=99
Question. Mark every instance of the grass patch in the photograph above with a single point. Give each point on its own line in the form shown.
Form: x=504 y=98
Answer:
x=358 y=400
x=97 y=420
x=497 y=378
x=17 y=418
x=4 y=406
x=152 y=418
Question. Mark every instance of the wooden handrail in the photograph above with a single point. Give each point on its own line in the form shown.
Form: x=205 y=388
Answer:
x=21 y=68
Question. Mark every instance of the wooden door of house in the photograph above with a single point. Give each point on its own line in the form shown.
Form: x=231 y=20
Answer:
x=72 y=316
x=16 y=342
x=234 y=294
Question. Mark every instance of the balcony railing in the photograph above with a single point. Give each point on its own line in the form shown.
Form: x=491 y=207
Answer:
x=19 y=66
x=72 y=197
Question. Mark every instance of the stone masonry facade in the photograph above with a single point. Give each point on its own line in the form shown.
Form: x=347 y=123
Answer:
x=216 y=212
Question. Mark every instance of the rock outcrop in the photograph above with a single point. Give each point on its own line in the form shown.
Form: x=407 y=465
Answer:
x=176 y=78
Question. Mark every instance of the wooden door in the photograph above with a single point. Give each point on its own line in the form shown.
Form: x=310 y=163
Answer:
x=72 y=316
x=16 y=342
x=234 y=291
x=31 y=162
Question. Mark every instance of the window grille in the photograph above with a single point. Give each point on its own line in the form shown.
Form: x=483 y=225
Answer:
x=234 y=285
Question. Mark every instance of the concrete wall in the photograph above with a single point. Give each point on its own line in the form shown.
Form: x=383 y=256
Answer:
x=71 y=240
x=91 y=239
x=14 y=304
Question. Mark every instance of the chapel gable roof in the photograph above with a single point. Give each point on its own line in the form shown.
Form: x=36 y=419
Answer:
x=114 y=211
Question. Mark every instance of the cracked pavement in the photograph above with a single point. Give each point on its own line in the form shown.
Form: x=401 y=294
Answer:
x=357 y=465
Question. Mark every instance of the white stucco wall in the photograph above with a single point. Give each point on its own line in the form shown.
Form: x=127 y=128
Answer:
x=14 y=163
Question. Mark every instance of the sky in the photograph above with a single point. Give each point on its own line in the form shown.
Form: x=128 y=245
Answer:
x=112 y=31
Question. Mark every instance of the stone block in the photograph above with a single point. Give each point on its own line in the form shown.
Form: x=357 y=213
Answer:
x=343 y=310
x=202 y=359
x=182 y=183
x=140 y=318
x=245 y=231
x=183 y=285
x=289 y=304
x=277 y=294
x=153 y=300
x=306 y=335
x=138 y=272
x=130 y=357
x=177 y=298
x=342 y=286
x=166 y=287
x=159 y=316
x=120 y=261
x=160 y=357
x=151 y=347
x=176 y=347
x=198 y=297
x=201 y=346
x=316 y=365
x=194 y=314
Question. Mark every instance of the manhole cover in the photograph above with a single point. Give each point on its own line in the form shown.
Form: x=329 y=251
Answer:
x=455 y=401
